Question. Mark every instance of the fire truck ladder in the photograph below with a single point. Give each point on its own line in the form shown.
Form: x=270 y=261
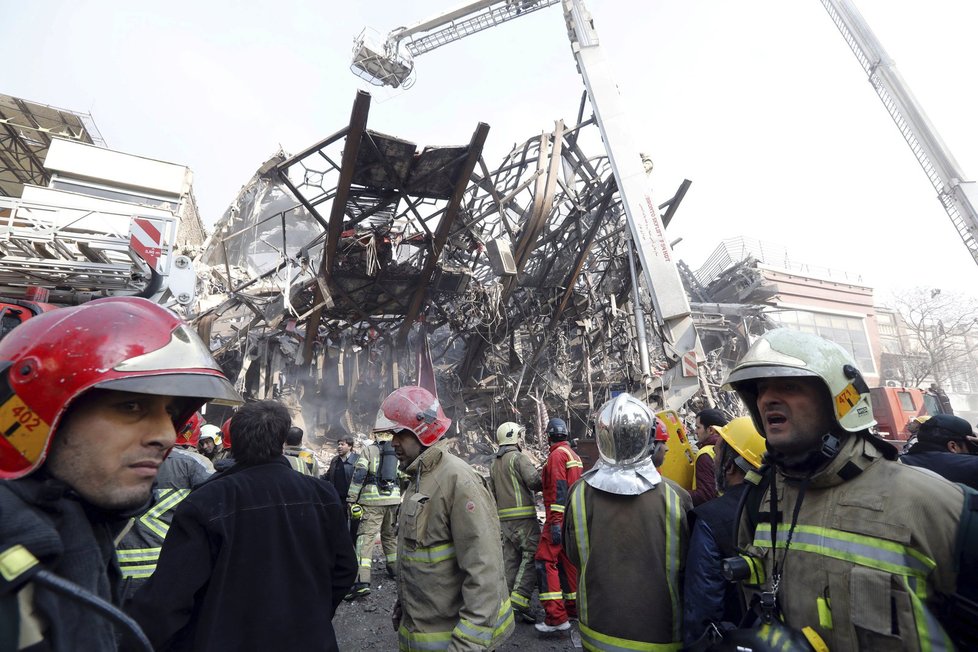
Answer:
x=76 y=249
x=959 y=197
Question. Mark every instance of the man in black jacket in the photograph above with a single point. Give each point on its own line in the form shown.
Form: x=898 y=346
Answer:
x=340 y=471
x=944 y=445
x=249 y=550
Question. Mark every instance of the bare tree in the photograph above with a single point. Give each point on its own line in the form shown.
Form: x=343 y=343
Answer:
x=940 y=334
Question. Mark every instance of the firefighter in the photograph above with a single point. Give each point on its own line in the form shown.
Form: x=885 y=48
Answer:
x=209 y=444
x=92 y=398
x=513 y=480
x=373 y=498
x=186 y=447
x=224 y=458
x=708 y=423
x=839 y=540
x=625 y=530
x=556 y=576
x=183 y=469
x=452 y=594
x=711 y=599
x=299 y=457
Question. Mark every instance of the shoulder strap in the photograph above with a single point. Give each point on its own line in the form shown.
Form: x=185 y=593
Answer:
x=966 y=551
x=750 y=501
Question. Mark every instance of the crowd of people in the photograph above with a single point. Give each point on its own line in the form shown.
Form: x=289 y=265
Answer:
x=128 y=522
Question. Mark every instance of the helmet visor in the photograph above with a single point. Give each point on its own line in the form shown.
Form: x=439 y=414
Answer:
x=760 y=372
x=206 y=387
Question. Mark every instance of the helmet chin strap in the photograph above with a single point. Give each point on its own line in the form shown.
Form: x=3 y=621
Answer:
x=810 y=461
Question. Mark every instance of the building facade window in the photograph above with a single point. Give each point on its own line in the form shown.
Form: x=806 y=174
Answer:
x=847 y=332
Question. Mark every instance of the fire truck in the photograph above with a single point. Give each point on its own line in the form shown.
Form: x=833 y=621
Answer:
x=107 y=224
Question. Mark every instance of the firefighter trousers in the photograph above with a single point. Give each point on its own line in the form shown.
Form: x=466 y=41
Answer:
x=377 y=519
x=520 y=540
x=558 y=580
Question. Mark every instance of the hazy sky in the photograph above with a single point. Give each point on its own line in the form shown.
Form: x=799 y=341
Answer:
x=761 y=104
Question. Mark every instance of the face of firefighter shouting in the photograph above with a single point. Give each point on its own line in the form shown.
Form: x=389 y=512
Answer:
x=794 y=413
x=110 y=446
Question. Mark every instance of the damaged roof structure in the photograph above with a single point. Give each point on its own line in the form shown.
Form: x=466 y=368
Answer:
x=26 y=130
x=337 y=272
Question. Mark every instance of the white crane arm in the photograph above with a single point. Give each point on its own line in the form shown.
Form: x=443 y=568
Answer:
x=958 y=196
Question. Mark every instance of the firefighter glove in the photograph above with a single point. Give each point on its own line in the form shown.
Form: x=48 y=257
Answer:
x=555 y=534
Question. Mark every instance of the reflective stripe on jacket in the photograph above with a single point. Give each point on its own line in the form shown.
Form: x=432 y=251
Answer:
x=451 y=588
x=628 y=548
x=302 y=460
x=706 y=450
x=140 y=548
x=513 y=480
x=872 y=549
x=363 y=487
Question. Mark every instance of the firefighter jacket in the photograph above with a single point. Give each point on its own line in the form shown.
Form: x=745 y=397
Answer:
x=140 y=547
x=74 y=541
x=630 y=553
x=302 y=460
x=248 y=553
x=562 y=469
x=451 y=587
x=871 y=553
x=513 y=481
x=364 y=487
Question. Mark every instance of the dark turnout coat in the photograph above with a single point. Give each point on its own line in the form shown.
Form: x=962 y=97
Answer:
x=256 y=559
x=71 y=539
x=630 y=551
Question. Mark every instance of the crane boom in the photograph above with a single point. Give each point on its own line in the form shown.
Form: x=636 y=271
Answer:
x=384 y=64
x=489 y=14
x=958 y=196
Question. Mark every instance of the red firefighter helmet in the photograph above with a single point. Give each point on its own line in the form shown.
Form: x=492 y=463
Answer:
x=661 y=432
x=226 y=434
x=415 y=409
x=190 y=434
x=119 y=343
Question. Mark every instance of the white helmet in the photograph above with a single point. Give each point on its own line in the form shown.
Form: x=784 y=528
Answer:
x=625 y=430
x=509 y=433
x=209 y=431
x=785 y=352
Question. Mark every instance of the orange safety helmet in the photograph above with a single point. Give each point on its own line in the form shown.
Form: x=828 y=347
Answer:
x=415 y=409
x=190 y=434
x=119 y=343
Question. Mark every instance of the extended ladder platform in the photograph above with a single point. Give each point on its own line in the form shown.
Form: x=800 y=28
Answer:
x=79 y=249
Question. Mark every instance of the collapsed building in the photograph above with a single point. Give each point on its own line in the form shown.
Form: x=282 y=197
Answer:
x=365 y=262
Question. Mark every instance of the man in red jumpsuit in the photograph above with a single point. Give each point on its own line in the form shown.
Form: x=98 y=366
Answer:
x=557 y=576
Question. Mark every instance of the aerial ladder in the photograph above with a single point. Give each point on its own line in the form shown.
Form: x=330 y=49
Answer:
x=391 y=63
x=52 y=256
x=958 y=196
